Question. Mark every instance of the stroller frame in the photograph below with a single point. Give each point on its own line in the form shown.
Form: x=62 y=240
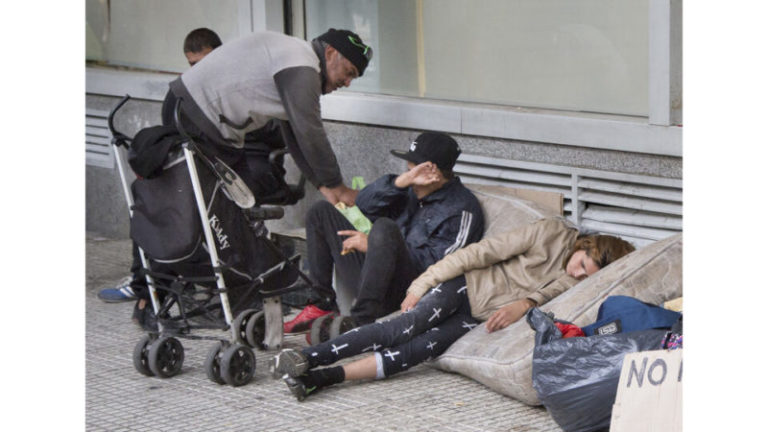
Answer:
x=230 y=361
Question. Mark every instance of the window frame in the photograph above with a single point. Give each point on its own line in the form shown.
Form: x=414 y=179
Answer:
x=657 y=134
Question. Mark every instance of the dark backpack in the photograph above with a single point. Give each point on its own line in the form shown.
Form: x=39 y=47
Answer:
x=622 y=314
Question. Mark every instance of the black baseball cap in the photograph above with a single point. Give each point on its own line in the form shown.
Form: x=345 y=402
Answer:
x=350 y=46
x=435 y=147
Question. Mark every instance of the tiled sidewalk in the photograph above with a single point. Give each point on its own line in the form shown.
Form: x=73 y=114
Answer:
x=120 y=399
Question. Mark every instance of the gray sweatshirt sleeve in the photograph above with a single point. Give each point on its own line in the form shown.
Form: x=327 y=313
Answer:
x=299 y=89
x=298 y=158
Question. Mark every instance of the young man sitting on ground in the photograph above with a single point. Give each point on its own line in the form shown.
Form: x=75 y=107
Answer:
x=418 y=217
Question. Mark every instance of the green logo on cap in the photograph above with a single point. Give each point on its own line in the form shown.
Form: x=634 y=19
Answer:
x=367 y=52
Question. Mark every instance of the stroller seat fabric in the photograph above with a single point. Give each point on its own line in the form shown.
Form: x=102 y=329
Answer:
x=167 y=226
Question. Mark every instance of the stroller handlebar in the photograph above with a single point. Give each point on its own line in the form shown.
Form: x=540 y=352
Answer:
x=118 y=138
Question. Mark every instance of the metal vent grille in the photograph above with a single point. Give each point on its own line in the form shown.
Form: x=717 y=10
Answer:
x=97 y=138
x=638 y=208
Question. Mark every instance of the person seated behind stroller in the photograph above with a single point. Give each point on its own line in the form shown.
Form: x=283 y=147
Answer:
x=497 y=279
x=418 y=217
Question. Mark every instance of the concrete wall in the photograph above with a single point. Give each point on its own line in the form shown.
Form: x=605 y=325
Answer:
x=106 y=211
x=362 y=151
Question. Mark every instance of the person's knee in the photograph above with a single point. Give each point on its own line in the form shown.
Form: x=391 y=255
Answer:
x=384 y=225
x=383 y=230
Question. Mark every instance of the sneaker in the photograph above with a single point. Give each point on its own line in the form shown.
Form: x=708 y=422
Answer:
x=289 y=362
x=120 y=293
x=298 y=388
x=304 y=319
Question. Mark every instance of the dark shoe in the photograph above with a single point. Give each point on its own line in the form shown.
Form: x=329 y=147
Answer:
x=150 y=320
x=138 y=314
x=303 y=320
x=144 y=317
x=298 y=388
x=289 y=362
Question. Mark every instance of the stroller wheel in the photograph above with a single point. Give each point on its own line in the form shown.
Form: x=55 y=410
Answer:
x=213 y=365
x=166 y=356
x=320 y=330
x=255 y=330
x=239 y=324
x=237 y=365
x=141 y=356
x=340 y=325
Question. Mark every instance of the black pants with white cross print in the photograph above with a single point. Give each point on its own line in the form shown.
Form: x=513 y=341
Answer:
x=441 y=317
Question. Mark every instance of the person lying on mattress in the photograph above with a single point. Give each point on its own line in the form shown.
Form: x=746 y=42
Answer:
x=495 y=280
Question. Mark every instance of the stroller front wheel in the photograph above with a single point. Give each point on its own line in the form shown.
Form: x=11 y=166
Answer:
x=320 y=330
x=256 y=330
x=141 y=356
x=213 y=365
x=340 y=325
x=238 y=363
x=239 y=326
x=166 y=356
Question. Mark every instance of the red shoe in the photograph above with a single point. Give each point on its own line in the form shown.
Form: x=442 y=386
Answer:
x=304 y=319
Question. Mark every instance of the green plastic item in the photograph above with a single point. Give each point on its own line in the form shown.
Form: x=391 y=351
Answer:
x=358 y=183
x=353 y=214
x=356 y=218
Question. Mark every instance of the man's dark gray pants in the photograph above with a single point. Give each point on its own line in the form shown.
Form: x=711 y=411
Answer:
x=380 y=277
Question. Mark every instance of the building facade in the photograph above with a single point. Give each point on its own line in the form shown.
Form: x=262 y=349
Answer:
x=583 y=98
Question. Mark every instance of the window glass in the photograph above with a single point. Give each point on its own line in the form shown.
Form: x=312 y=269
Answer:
x=586 y=55
x=149 y=34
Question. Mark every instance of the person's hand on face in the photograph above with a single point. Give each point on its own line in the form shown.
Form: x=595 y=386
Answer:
x=423 y=174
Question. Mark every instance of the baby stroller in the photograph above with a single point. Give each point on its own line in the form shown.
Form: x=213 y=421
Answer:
x=208 y=261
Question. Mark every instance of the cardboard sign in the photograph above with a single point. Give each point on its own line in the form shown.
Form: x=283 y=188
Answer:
x=649 y=396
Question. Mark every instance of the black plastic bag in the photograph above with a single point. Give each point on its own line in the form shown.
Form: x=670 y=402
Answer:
x=576 y=378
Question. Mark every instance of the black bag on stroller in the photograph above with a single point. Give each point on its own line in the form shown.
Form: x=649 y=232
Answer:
x=167 y=226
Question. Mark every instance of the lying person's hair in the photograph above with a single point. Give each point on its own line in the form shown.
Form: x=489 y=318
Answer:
x=603 y=249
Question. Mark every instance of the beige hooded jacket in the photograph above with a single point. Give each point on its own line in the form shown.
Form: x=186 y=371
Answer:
x=523 y=263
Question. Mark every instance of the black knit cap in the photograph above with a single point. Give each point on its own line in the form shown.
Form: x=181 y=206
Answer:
x=350 y=46
x=435 y=147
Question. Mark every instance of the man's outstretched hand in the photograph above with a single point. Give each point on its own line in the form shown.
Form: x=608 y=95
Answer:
x=338 y=194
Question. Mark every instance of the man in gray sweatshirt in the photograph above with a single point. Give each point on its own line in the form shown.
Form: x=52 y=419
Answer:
x=242 y=85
